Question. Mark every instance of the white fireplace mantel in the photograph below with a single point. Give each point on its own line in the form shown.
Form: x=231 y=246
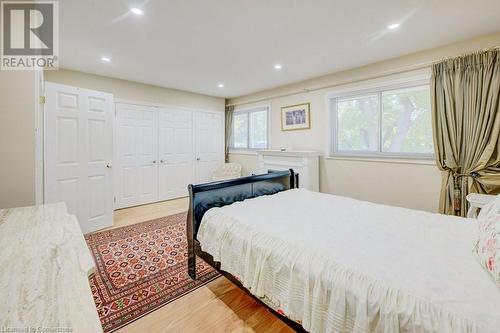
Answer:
x=305 y=163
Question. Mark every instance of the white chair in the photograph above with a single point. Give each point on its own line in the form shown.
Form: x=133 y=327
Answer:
x=227 y=171
x=476 y=202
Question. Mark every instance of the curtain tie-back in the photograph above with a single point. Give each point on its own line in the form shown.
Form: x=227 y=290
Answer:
x=473 y=174
x=457 y=192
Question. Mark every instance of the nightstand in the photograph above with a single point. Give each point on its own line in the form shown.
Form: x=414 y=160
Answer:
x=476 y=202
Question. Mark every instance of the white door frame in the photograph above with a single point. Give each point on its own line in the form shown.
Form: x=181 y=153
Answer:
x=39 y=136
x=161 y=105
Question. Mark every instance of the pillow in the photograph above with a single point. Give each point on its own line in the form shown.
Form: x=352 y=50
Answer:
x=487 y=248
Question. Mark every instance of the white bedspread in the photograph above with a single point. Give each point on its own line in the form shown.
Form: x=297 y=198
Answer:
x=341 y=265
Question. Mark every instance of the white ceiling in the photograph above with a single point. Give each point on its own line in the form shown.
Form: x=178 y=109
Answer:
x=195 y=45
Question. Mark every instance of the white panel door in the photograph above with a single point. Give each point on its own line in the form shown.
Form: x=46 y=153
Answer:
x=78 y=153
x=209 y=147
x=136 y=155
x=175 y=153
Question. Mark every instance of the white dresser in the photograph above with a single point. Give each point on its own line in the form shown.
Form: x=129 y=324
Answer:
x=45 y=264
x=305 y=163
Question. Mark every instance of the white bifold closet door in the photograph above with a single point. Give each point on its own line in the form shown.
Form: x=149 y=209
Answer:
x=161 y=150
x=176 y=154
x=136 y=155
x=78 y=153
x=209 y=144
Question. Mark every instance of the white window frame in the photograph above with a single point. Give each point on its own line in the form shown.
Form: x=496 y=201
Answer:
x=249 y=110
x=375 y=87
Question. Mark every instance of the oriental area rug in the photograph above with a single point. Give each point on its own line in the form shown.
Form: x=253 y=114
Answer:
x=140 y=268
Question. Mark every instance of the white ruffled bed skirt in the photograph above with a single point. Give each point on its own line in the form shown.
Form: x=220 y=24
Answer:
x=321 y=294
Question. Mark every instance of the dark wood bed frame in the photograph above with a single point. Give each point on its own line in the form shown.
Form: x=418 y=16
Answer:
x=202 y=197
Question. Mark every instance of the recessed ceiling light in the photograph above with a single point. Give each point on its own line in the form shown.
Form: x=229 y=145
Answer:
x=136 y=11
x=394 y=26
x=220 y=85
x=278 y=67
x=105 y=59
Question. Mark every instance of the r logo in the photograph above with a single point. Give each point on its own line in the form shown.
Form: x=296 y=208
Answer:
x=28 y=28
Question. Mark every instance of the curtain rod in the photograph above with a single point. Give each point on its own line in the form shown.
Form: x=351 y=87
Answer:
x=401 y=70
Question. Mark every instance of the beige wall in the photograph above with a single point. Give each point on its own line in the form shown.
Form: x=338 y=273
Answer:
x=400 y=184
x=17 y=138
x=17 y=121
x=128 y=90
x=411 y=184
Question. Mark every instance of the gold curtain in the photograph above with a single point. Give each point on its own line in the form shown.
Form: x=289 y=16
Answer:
x=229 y=130
x=466 y=123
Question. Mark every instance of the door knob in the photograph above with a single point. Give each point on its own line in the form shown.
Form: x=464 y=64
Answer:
x=154 y=161
x=161 y=161
x=109 y=165
x=197 y=158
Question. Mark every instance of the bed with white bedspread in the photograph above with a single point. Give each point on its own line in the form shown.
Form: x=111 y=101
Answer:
x=336 y=264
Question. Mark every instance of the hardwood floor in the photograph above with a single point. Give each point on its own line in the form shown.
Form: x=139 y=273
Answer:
x=127 y=216
x=218 y=306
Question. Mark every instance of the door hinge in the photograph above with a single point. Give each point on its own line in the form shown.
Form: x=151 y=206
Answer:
x=42 y=99
x=114 y=199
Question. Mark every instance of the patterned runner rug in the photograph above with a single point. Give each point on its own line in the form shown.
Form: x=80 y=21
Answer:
x=141 y=267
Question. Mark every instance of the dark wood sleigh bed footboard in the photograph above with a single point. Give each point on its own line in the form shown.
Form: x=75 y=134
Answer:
x=202 y=197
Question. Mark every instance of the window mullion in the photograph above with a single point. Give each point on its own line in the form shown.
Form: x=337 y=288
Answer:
x=335 y=126
x=231 y=143
x=248 y=130
x=380 y=112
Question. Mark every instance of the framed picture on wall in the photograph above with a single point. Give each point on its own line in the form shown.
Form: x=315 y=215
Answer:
x=295 y=117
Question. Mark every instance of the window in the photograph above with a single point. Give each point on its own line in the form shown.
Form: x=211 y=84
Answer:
x=384 y=122
x=250 y=129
